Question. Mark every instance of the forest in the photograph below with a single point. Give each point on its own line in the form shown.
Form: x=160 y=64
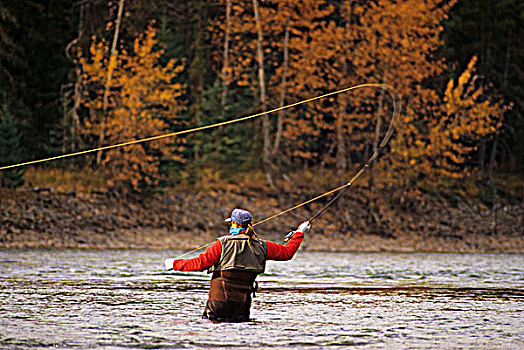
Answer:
x=78 y=75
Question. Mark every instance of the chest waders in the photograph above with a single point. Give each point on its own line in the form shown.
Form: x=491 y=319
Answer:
x=233 y=281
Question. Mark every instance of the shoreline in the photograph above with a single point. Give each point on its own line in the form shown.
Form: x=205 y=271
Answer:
x=370 y=243
x=183 y=221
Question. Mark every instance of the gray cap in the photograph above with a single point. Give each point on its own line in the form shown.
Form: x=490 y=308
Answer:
x=240 y=216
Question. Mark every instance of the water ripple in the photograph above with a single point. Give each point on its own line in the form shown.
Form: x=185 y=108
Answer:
x=124 y=299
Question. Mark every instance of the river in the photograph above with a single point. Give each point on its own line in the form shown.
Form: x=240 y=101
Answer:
x=120 y=299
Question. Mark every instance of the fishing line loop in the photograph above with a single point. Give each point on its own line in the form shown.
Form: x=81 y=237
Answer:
x=397 y=107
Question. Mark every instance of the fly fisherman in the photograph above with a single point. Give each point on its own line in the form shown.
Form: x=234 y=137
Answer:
x=236 y=260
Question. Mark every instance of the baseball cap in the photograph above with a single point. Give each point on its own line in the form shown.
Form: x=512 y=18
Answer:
x=240 y=216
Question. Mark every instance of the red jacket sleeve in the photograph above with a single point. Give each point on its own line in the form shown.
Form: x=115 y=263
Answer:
x=207 y=259
x=277 y=251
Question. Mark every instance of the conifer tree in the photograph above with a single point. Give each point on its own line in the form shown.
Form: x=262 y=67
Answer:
x=10 y=150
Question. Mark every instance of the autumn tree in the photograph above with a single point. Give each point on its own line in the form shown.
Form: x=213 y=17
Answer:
x=444 y=150
x=301 y=69
x=271 y=45
x=397 y=44
x=110 y=67
x=469 y=115
x=142 y=102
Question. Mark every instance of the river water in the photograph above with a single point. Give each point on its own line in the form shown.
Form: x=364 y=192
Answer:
x=106 y=299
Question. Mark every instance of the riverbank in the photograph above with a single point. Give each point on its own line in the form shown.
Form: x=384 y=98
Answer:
x=176 y=220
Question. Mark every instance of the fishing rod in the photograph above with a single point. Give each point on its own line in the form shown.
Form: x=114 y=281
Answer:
x=397 y=107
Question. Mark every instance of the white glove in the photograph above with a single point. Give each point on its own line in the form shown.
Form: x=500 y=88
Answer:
x=169 y=264
x=304 y=227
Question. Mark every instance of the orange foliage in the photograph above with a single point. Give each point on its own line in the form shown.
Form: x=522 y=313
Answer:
x=142 y=103
x=300 y=126
x=333 y=45
x=468 y=117
x=397 y=42
x=441 y=146
x=313 y=45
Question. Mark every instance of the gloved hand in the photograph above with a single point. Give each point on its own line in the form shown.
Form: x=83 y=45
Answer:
x=304 y=227
x=169 y=264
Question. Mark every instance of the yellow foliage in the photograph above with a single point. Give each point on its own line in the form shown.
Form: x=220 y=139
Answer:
x=392 y=42
x=143 y=102
x=443 y=144
x=467 y=117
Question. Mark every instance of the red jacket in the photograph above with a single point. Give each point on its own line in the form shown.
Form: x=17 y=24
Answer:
x=275 y=251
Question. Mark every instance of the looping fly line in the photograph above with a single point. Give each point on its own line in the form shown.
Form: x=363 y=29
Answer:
x=392 y=124
x=200 y=128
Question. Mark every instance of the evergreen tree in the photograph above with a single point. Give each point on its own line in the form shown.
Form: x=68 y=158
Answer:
x=10 y=151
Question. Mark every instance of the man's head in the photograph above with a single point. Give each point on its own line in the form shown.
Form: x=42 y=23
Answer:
x=241 y=217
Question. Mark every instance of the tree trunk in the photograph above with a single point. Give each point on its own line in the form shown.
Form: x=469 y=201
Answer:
x=341 y=156
x=265 y=121
x=77 y=85
x=341 y=146
x=280 y=117
x=482 y=157
x=492 y=157
x=379 y=124
x=65 y=118
x=78 y=90
x=196 y=73
x=75 y=118
x=225 y=66
x=112 y=62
